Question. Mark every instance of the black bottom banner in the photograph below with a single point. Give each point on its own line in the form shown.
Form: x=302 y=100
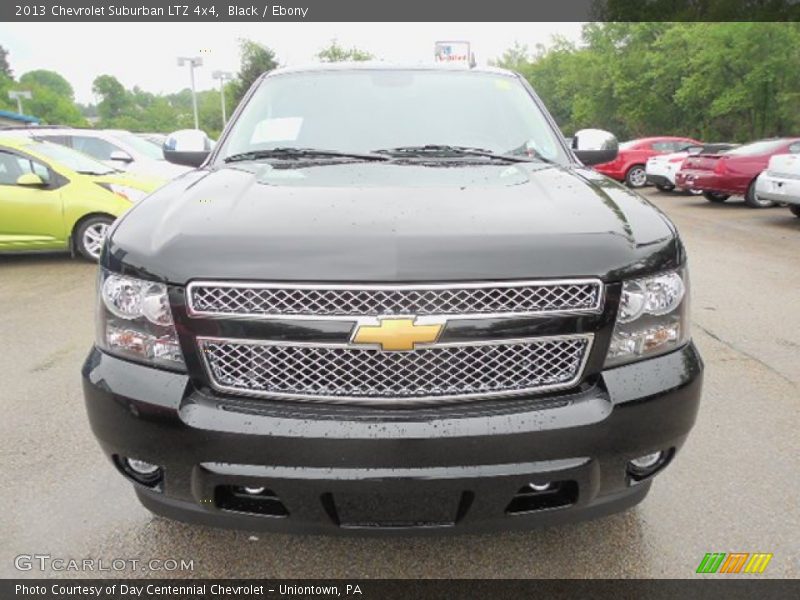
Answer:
x=406 y=589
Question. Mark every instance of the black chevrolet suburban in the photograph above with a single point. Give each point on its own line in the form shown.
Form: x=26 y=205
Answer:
x=392 y=300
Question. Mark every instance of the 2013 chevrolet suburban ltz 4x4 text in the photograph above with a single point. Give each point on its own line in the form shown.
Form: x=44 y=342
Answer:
x=390 y=300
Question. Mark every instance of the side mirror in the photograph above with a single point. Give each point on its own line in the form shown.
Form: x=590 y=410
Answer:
x=31 y=180
x=594 y=146
x=120 y=156
x=187 y=147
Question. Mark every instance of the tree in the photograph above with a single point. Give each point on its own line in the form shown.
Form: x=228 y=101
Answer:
x=717 y=81
x=48 y=79
x=333 y=52
x=255 y=61
x=114 y=98
x=5 y=67
x=53 y=99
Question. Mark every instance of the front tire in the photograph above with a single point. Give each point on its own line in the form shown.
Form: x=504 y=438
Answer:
x=90 y=236
x=795 y=208
x=636 y=177
x=753 y=201
x=715 y=197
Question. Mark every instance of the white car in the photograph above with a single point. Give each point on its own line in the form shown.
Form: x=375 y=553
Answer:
x=660 y=170
x=780 y=182
x=115 y=147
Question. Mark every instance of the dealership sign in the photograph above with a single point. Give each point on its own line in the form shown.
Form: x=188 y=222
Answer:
x=453 y=52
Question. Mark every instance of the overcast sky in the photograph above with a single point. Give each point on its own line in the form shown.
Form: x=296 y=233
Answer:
x=144 y=54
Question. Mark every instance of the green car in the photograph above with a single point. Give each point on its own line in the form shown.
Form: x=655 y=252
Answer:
x=55 y=198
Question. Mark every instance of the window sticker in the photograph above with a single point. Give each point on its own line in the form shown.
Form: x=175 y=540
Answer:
x=284 y=129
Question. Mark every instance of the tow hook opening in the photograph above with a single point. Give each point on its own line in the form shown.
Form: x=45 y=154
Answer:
x=251 y=499
x=543 y=495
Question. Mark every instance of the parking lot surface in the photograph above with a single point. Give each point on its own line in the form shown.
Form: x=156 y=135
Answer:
x=734 y=488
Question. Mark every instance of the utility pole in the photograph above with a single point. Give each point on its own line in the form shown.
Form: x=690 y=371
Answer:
x=223 y=76
x=192 y=61
x=18 y=95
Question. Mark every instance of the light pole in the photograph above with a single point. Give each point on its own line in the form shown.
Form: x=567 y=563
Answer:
x=223 y=76
x=18 y=95
x=192 y=61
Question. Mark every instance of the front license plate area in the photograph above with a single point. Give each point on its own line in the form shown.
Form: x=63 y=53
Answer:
x=397 y=509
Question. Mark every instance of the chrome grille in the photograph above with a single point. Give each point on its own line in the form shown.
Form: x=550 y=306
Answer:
x=339 y=301
x=340 y=373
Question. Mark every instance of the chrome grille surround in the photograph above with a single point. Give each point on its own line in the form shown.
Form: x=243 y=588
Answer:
x=340 y=373
x=250 y=300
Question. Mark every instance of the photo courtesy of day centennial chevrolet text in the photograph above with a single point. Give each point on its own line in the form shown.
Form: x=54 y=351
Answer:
x=392 y=299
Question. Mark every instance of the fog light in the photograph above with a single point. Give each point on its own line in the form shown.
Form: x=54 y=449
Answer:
x=140 y=471
x=647 y=461
x=141 y=467
x=254 y=491
x=539 y=487
x=644 y=466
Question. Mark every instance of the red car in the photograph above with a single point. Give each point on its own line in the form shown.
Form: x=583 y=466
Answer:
x=734 y=172
x=630 y=162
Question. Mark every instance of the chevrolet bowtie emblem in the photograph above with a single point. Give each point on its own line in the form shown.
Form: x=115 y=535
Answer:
x=395 y=333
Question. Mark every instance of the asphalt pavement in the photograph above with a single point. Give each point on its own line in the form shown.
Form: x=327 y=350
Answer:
x=734 y=487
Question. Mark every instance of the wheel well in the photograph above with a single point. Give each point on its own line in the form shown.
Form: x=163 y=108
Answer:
x=80 y=222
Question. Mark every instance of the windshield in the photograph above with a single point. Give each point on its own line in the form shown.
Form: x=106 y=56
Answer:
x=141 y=145
x=363 y=111
x=72 y=159
x=763 y=147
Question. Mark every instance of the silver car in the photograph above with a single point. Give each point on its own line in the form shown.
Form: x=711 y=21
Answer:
x=780 y=182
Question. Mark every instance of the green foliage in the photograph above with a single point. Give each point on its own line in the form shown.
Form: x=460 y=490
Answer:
x=717 y=81
x=53 y=98
x=333 y=52
x=5 y=66
x=255 y=60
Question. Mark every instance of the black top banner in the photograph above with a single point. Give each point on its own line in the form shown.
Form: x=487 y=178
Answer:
x=407 y=10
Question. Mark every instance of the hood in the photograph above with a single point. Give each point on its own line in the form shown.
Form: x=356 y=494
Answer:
x=157 y=169
x=364 y=222
x=139 y=182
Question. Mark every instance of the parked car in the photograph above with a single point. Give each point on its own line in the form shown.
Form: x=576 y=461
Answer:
x=364 y=313
x=780 y=182
x=661 y=169
x=54 y=198
x=154 y=138
x=734 y=172
x=629 y=166
x=118 y=148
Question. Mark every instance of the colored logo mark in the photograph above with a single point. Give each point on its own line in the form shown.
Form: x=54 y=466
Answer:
x=734 y=562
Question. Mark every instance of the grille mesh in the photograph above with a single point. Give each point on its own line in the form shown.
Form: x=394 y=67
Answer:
x=254 y=300
x=344 y=373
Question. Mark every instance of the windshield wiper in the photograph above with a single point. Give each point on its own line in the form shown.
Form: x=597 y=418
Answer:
x=290 y=153
x=447 y=151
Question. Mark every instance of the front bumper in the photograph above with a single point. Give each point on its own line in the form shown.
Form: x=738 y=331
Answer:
x=610 y=170
x=339 y=469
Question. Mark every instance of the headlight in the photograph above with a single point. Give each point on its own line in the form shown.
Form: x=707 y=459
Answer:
x=653 y=317
x=134 y=321
x=127 y=192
